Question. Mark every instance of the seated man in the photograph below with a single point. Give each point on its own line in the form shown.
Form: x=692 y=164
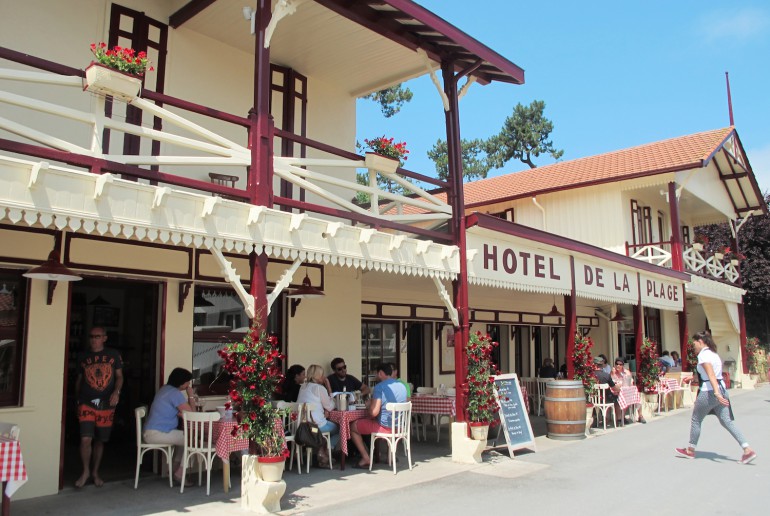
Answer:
x=340 y=380
x=611 y=394
x=666 y=362
x=386 y=391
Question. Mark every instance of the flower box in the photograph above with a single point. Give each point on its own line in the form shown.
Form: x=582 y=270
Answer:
x=697 y=246
x=735 y=262
x=719 y=256
x=381 y=163
x=106 y=81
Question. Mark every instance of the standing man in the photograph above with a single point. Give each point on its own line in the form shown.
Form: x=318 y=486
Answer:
x=340 y=380
x=386 y=391
x=100 y=378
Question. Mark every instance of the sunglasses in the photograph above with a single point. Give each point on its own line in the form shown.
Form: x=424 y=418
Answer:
x=96 y=336
x=618 y=363
x=341 y=368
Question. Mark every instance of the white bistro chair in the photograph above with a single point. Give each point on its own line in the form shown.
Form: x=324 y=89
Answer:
x=198 y=429
x=142 y=448
x=10 y=431
x=599 y=399
x=541 y=387
x=289 y=419
x=684 y=384
x=530 y=384
x=399 y=431
x=308 y=407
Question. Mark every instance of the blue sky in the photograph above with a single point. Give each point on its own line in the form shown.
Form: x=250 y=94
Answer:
x=613 y=75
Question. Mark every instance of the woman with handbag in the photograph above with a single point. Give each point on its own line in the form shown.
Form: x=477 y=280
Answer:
x=314 y=392
x=712 y=397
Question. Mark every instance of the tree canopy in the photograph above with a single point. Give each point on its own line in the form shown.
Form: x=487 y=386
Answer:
x=524 y=136
x=391 y=100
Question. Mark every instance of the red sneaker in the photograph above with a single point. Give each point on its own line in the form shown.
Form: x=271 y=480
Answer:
x=748 y=457
x=685 y=453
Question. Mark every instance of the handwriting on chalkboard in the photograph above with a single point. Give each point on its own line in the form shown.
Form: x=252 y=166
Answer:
x=513 y=416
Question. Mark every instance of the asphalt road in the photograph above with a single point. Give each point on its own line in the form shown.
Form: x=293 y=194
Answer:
x=627 y=472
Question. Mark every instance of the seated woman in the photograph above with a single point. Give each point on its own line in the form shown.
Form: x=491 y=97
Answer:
x=548 y=370
x=288 y=390
x=169 y=404
x=623 y=378
x=314 y=391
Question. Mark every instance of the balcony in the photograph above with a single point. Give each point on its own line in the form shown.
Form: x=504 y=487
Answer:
x=697 y=261
x=170 y=143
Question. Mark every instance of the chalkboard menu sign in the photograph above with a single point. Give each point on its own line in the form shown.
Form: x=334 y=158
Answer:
x=513 y=413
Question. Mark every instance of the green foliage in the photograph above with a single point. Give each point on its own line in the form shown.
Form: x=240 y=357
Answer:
x=125 y=60
x=757 y=358
x=475 y=164
x=254 y=365
x=391 y=100
x=524 y=135
x=649 y=367
x=479 y=385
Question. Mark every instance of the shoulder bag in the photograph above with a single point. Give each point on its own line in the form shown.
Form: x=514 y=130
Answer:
x=307 y=433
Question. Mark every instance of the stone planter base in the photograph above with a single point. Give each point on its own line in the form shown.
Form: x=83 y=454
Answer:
x=256 y=494
x=464 y=449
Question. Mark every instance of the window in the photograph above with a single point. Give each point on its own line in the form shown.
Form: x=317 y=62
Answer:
x=505 y=215
x=661 y=226
x=686 y=234
x=12 y=303
x=379 y=343
x=219 y=318
x=641 y=221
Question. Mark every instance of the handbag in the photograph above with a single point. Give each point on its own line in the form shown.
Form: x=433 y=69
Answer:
x=307 y=433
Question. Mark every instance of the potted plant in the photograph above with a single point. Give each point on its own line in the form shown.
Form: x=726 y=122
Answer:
x=116 y=72
x=757 y=359
x=649 y=370
x=254 y=364
x=583 y=364
x=692 y=364
x=479 y=385
x=384 y=154
x=701 y=241
x=733 y=256
x=720 y=255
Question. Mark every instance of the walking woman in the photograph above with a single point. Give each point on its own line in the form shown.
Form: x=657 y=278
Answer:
x=712 y=396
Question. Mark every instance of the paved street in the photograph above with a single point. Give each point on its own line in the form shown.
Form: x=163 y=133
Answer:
x=629 y=471
x=633 y=471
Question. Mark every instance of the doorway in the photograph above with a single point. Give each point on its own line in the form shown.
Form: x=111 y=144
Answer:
x=129 y=312
x=418 y=354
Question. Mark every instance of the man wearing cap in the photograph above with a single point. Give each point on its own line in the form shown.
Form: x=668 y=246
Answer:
x=611 y=394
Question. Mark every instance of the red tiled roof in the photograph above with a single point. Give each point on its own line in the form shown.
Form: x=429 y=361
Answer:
x=675 y=154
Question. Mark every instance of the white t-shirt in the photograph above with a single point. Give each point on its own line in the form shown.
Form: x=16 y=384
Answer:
x=706 y=356
x=316 y=394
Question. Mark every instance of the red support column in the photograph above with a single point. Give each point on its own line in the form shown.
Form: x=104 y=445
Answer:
x=260 y=175
x=570 y=322
x=744 y=351
x=677 y=262
x=638 y=330
x=684 y=334
x=456 y=200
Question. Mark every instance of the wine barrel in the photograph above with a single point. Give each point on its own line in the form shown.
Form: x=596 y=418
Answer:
x=565 y=410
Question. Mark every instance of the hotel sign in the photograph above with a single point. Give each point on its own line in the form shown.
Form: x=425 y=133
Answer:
x=515 y=265
x=661 y=293
x=603 y=282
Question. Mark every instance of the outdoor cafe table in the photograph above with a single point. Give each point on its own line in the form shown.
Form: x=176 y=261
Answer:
x=225 y=443
x=13 y=472
x=343 y=418
x=628 y=397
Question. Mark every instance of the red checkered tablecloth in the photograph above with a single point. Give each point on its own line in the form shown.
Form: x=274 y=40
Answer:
x=222 y=435
x=434 y=405
x=343 y=418
x=669 y=384
x=628 y=396
x=12 y=468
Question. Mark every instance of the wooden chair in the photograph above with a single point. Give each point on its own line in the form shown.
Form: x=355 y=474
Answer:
x=599 y=399
x=10 y=431
x=289 y=419
x=308 y=407
x=198 y=429
x=143 y=447
x=399 y=431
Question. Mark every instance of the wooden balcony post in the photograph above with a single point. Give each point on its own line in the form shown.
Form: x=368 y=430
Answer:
x=570 y=322
x=677 y=261
x=683 y=334
x=260 y=176
x=456 y=200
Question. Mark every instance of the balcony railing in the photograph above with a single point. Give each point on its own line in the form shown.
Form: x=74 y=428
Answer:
x=696 y=260
x=175 y=151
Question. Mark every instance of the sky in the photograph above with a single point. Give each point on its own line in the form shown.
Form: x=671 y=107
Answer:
x=613 y=75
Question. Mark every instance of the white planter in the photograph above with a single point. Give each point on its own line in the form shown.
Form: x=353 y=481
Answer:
x=735 y=262
x=381 y=163
x=697 y=247
x=479 y=432
x=271 y=470
x=106 y=81
x=719 y=256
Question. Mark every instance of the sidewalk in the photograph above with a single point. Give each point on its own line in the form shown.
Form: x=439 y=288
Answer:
x=316 y=490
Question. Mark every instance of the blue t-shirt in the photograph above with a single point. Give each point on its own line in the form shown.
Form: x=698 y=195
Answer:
x=388 y=391
x=163 y=412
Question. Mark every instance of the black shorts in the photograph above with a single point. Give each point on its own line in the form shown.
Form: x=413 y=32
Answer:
x=95 y=423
